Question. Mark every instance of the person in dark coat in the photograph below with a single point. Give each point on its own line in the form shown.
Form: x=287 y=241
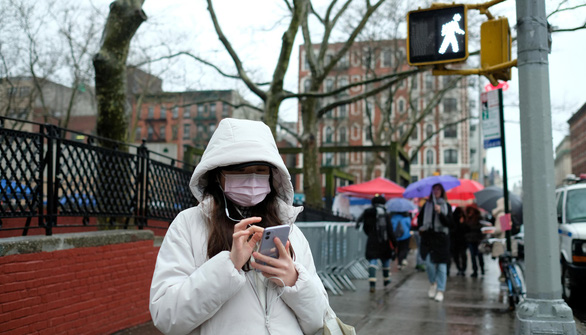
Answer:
x=378 y=243
x=458 y=244
x=434 y=222
x=473 y=238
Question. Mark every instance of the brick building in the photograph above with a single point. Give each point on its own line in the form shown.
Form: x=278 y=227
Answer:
x=438 y=143
x=578 y=140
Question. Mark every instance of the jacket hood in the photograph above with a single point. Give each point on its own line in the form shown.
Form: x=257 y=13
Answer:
x=238 y=141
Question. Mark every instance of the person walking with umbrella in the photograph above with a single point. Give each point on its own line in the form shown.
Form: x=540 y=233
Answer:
x=401 y=221
x=434 y=222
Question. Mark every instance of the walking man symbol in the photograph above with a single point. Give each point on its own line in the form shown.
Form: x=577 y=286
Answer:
x=449 y=31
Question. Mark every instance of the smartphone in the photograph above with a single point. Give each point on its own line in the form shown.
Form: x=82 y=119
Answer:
x=267 y=243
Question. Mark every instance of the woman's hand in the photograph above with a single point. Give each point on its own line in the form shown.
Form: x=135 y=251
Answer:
x=281 y=267
x=243 y=241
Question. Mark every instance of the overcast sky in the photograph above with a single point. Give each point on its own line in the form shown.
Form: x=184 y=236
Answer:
x=254 y=27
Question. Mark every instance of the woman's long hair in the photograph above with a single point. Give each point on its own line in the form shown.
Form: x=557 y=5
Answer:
x=221 y=228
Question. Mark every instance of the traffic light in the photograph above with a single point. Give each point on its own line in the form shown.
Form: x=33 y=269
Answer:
x=437 y=35
x=495 y=46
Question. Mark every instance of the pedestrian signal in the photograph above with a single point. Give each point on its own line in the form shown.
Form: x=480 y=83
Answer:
x=437 y=35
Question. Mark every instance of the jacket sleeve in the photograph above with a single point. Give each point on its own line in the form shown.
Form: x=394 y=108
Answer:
x=308 y=297
x=183 y=295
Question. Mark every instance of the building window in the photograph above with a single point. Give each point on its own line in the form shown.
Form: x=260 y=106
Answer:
x=186 y=131
x=175 y=112
x=387 y=58
x=212 y=128
x=151 y=112
x=428 y=131
x=328 y=134
x=429 y=157
x=213 y=108
x=401 y=106
x=162 y=133
x=200 y=110
x=329 y=85
x=328 y=159
x=343 y=159
x=343 y=137
x=163 y=113
x=343 y=62
x=415 y=133
x=343 y=81
x=187 y=112
x=368 y=58
x=150 y=133
x=451 y=131
x=307 y=85
x=414 y=82
x=225 y=109
x=450 y=105
x=137 y=134
x=342 y=111
x=450 y=156
x=414 y=179
x=306 y=62
x=428 y=81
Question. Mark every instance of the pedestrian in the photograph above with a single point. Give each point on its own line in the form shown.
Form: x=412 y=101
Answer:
x=208 y=278
x=381 y=241
x=434 y=222
x=473 y=237
x=458 y=244
x=402 y=230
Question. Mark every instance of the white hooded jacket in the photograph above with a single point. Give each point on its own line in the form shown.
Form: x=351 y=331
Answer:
x=193 y=294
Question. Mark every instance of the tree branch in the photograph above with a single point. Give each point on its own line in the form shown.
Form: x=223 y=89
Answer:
x=199 y=59
x=237 y=62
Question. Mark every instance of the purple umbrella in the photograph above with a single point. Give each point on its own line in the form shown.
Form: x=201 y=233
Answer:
x=422 y=188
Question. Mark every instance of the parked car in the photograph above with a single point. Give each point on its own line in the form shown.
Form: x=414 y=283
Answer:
x=571 y=215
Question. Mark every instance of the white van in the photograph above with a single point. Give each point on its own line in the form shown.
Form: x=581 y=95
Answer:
x=571 y=214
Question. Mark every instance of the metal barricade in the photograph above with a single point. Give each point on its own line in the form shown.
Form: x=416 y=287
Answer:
x=338 y=253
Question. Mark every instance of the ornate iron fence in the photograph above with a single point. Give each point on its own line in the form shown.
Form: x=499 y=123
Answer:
x=49 y=174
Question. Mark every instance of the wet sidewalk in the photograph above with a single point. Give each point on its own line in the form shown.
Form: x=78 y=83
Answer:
x=471 y=306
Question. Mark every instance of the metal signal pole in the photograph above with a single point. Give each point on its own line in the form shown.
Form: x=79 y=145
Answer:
x=543 y=312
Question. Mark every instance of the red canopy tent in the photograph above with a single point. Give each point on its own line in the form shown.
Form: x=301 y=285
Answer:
x=368 y=189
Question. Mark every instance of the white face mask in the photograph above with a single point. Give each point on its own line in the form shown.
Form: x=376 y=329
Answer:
x=247 y=189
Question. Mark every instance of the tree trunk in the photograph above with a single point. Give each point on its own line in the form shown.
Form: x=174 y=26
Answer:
x=311 y=161
x=110 y=64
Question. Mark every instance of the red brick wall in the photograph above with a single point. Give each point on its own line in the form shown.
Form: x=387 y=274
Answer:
x=94 y=290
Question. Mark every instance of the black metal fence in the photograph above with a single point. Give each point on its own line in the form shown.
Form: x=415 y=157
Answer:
x=53 y=173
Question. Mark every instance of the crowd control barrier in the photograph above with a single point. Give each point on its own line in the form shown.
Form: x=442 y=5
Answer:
x=338 y=252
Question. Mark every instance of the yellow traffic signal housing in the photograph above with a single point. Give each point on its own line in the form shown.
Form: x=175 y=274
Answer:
x=437 y=35
x=495 y=46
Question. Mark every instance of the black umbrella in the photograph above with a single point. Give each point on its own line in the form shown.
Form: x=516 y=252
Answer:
x=487 y=198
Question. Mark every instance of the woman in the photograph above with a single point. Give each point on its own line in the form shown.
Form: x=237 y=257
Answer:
x=434 y=222
x=458 y=244
x=207 y=279
x=473 y=238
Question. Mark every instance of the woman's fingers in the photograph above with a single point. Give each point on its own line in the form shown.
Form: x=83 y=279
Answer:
x=245 y=222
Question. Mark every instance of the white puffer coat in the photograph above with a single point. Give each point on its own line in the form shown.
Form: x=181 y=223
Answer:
x=192 y=294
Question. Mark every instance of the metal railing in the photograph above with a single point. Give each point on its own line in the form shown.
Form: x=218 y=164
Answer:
x=338 y=253
x=49 y=174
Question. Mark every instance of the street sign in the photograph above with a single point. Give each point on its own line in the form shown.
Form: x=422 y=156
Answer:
x=437 y=35
x=491 y=118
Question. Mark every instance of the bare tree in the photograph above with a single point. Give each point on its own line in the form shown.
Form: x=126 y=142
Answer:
x=110 y=64
x=274 y=95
